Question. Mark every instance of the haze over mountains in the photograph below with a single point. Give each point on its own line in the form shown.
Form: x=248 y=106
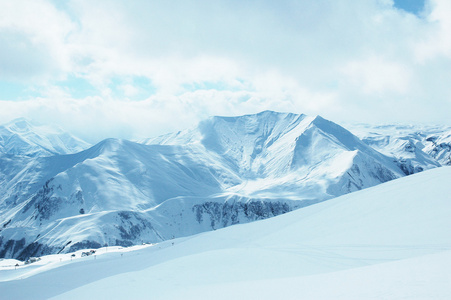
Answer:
x=20 y=137
x=59 y=195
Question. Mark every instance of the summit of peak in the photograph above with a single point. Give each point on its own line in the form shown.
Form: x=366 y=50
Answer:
x=19 y=124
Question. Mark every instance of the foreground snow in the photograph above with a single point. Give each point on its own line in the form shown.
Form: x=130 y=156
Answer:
x=391 y=241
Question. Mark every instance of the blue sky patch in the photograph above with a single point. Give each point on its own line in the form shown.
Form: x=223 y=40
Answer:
x=11 y=91
x=77 y=87
x=134 y=88
x=411 y=6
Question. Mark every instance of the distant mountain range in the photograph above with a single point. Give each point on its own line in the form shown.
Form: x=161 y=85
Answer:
x=415 y=148
x=58 y=194
x=22 y=138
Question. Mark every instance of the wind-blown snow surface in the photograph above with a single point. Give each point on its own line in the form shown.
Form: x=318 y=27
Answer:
x=226 y=171
x=391 y=241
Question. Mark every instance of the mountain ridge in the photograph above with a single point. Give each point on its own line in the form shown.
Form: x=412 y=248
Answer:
x=22 y=137
x=225 y=171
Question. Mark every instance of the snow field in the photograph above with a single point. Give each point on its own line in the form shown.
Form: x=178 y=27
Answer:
x=391 y=241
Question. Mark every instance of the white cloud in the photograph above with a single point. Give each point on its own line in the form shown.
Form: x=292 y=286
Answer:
x=32 y=35
x=345 y=60
x=376 y=75
x=436 y=40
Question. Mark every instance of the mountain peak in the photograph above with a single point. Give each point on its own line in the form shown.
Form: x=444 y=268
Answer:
x=24 y=137
x=227 y=170
x=263 y=115
x=110 y=144
x=19 y=125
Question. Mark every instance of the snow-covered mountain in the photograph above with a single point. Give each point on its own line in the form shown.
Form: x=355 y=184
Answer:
x=225 y=171
x=391 y=241
x=21 y=137
x=277 y=153
x=415 y=148
x=439 y=147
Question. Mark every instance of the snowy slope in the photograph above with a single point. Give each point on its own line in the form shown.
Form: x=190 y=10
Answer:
x=439 y=146
x=21 y=137
x=415 y=148
x=281 y=152
x=123 y=193
x=87 y=195
x=227 y=171
x=391 y=241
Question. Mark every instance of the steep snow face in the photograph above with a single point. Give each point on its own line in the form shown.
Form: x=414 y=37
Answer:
x=254 y=145
x=415 y=148
x=226 y=171
x=439 y=147
x=390 y=241
x=20 y=137
x=111 y=183
x=284 y=154
x=115 y=170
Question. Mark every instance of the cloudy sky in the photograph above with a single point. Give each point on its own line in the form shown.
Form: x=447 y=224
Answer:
x=135 y=69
